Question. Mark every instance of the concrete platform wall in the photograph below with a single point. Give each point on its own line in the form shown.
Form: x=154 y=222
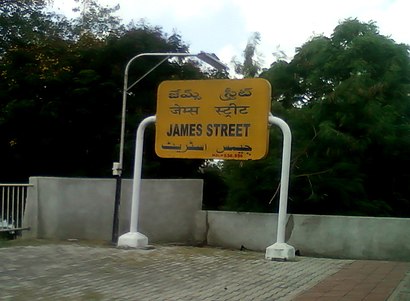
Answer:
x=63 y=208
x=312 y=235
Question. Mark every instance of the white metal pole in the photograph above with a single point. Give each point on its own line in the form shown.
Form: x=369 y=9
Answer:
x=118 y=166
x=136 y=188
x=123 y=114
x=281 y=250
x=284 y=182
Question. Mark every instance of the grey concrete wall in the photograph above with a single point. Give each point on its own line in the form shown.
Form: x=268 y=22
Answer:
x=312 y=235
x=167 y=211
x=352 y=237
x=254 y=231
x=63 y=208
x=170 y=211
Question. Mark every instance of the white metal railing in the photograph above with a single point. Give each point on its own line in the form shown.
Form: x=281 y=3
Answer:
x=12 y=205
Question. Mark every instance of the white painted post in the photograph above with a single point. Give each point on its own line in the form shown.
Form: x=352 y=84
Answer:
x=134 y=239
x=281 y=250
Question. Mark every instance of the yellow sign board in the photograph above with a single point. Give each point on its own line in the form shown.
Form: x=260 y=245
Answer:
x=213 y=119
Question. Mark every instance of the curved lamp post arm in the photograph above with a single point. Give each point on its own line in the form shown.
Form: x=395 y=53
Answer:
x=203 y=56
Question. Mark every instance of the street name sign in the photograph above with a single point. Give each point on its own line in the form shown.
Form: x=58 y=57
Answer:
x=213 y=119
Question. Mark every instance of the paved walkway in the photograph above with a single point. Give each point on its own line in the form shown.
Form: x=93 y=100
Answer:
x=361 y=280
x=73 y=271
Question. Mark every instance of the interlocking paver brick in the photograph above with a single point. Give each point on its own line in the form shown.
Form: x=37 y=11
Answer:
x=78 y=272
x=361 y=280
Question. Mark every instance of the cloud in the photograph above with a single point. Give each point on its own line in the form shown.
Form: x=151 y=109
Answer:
x=224 y=26
x=165 y=10
x=291 y=23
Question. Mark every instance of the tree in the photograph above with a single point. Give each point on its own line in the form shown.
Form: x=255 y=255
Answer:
x=252 y=64
x=346 y=99
x=96 y=20
x=60 y=94
x=23 y=6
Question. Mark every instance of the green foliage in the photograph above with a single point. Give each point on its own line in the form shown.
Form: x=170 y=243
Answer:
x=22 y=6
x=347 y=101
x=60 y=92
x=346 y=98
x=252 y=64
x=96 y=20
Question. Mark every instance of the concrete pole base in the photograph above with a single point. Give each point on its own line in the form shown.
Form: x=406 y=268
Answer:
x=280 y=251
x=132 y=240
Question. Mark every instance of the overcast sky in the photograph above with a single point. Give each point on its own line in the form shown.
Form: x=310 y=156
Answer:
x=224 y=26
